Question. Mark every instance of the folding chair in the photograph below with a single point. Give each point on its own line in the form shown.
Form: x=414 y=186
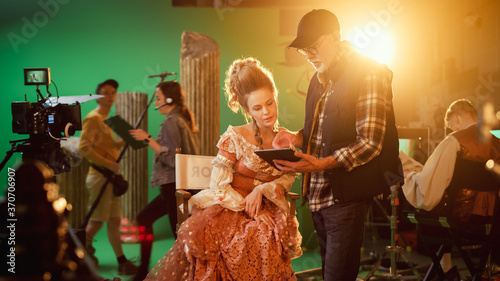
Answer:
x=192 y=172
x=445 y=230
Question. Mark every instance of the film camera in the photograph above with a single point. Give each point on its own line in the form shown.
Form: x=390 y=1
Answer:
x=47 y=121
x=44 y=245
x=44 y=118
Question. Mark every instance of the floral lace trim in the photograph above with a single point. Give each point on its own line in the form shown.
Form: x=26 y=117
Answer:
x=206 y=198
x=244 y=150
x=268 y=190
x=226 y=165
x=223 y=162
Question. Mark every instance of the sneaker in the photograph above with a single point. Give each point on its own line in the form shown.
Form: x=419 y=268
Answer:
x=140 y=276
x=127 y=268
x=91 y=252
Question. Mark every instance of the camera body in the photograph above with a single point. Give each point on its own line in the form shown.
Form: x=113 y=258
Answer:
x=46 y=121
x=39 y=119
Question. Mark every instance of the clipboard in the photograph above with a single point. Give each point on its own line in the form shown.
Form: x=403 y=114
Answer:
x=279 y=154
x=121 y=128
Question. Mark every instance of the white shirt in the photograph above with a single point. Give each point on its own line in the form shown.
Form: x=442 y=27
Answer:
x=424 y=190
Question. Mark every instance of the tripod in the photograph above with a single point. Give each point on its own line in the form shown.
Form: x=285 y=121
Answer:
x=393 y=250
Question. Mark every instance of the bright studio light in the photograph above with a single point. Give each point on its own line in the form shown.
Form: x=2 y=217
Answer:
x=376 y=44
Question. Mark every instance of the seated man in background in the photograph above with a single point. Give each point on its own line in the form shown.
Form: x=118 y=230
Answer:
x=426 y=190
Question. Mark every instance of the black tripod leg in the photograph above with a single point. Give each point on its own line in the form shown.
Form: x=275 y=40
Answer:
x=94 y=205
x=7 y=157
x=375 y=267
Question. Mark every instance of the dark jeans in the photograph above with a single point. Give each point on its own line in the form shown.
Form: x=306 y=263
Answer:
x=340 y=230
x=163 y=204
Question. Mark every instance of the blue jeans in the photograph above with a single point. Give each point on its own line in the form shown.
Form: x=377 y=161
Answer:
x=340 y=230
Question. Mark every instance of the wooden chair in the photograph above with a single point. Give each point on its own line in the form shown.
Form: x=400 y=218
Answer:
x=443 y=230
x=192 y=173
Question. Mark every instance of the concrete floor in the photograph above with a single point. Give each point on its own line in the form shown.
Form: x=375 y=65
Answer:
x=374 y=248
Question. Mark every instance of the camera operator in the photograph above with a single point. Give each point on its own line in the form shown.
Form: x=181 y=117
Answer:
x=99 y=147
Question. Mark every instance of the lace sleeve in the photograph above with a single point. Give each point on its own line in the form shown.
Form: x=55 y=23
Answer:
x=226 y=143
x=268 y=189
x=220 y=191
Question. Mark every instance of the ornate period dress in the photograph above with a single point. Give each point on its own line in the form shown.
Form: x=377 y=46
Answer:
x=219 y=241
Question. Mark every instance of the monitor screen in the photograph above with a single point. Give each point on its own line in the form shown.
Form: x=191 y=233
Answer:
x=414 y=142
x=36 y=76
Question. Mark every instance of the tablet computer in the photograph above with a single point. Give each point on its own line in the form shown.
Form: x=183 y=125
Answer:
x=279 y=154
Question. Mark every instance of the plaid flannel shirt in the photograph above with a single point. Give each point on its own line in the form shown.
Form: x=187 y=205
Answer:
x=373 y=104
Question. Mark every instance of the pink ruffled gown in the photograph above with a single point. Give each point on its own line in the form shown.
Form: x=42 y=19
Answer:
x=219 y=241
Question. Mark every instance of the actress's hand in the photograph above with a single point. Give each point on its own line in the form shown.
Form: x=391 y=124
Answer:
x=285 y=139
x=253 y=202
x=266 y=218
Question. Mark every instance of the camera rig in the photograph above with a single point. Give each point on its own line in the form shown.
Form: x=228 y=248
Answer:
x=47 y=121
x=39 y=119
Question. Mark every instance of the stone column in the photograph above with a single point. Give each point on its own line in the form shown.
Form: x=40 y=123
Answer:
x=72 y=185
x=200 y=79
x=134 y=163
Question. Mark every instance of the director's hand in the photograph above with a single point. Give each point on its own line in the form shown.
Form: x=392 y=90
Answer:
x=308 y=164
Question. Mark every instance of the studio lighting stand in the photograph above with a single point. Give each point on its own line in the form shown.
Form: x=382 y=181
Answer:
x=393 y=250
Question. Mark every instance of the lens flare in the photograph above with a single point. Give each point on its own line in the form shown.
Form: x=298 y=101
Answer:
x=377 y=45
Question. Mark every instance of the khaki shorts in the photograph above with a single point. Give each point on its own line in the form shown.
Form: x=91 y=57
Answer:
x=109 y=206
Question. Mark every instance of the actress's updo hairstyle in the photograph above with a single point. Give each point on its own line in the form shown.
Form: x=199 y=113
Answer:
x=243 y=77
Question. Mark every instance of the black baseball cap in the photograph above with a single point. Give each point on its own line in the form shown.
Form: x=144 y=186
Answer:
x=112 y=82
x=312 y=26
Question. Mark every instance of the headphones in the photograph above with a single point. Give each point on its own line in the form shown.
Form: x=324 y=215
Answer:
x=170 y=98
x=168 y=101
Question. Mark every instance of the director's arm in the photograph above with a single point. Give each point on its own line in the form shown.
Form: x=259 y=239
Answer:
x=308 y=164
x=371 y=109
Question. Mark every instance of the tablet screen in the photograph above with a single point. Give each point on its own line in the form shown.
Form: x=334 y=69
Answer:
x=280 y=154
